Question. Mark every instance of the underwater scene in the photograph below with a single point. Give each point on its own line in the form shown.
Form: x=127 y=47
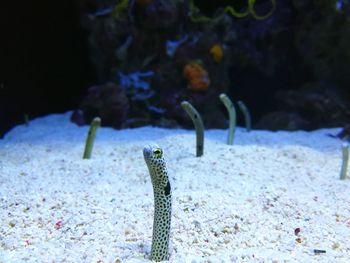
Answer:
x=175 y=131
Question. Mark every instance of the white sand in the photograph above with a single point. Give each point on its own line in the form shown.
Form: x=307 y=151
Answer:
x=237 y=203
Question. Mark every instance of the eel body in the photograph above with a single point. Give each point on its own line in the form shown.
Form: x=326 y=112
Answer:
x=162 y=202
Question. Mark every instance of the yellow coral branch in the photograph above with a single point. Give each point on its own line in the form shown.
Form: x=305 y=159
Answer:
x=230 y=10
x=255 y=15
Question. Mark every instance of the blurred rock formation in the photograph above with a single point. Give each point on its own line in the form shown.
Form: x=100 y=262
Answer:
x=291 y=68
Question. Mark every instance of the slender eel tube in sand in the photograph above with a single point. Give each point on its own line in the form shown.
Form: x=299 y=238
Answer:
x=96 y=122
x=246 y=114
x=26 y=119
x=345 y=161
x=198 y=125
x=232 y=117
x=162 y=202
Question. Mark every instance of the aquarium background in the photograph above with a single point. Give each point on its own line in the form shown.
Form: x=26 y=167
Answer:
x=133 y=62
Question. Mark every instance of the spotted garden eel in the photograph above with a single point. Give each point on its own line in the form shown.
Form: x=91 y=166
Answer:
x=162 y=202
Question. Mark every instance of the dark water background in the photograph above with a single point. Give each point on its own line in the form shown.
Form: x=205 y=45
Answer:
x=44 y=65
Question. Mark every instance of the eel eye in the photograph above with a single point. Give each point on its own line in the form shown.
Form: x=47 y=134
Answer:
x=157 y=152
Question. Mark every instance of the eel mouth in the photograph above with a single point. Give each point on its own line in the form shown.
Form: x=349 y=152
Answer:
x=147 y=152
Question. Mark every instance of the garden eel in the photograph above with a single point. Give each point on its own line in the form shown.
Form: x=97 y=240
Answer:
x=162 y=202
x=198 y=125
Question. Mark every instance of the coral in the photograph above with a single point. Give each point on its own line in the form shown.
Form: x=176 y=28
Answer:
x=217 y=52
x=230 y=10
x=251 y=10
x=317 y=102
x=282 y=120
x=159 y=14
x=197 y=76
x=172 y=45
x=324 y=46
x=303 y=41
x=136 y=88
x=159 y=37
x=108 y=101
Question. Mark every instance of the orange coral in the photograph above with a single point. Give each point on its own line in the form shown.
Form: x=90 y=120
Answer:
x=197 y=76
x=217 y=52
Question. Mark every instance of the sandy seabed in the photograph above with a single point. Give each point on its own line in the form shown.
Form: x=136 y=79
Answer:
x=271 y=197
